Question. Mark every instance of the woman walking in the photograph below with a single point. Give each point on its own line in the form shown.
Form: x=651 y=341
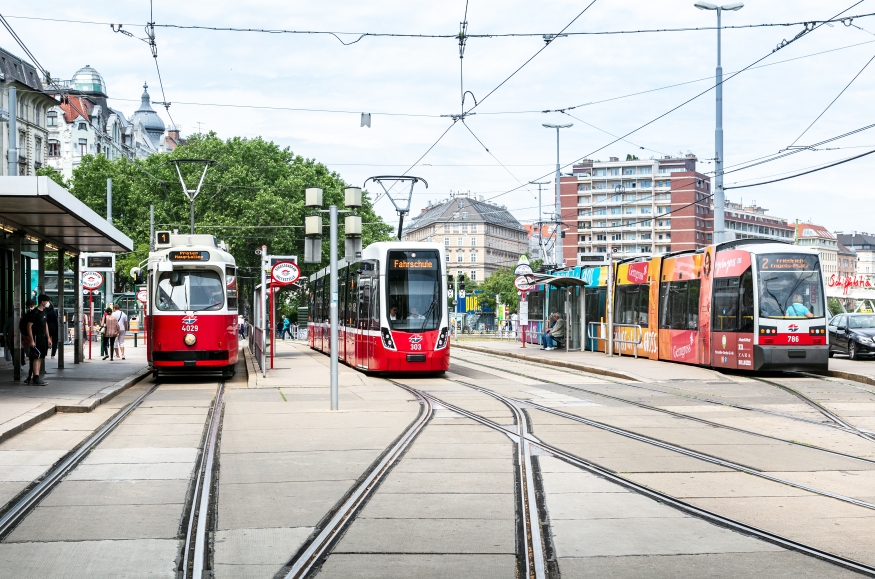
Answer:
x=111 y=331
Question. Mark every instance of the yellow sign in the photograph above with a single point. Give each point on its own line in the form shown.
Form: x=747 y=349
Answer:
x=415 y=264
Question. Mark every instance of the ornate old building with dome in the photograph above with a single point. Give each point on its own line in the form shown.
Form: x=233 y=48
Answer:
x=83 y=123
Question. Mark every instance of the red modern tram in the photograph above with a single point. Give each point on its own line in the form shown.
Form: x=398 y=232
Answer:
x=392 y=309
x=191 y=315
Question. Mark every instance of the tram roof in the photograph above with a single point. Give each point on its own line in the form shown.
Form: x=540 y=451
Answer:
x=45 y=211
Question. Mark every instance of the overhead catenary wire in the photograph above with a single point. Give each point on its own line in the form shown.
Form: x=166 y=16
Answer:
x=843 y=161
x=783 y=44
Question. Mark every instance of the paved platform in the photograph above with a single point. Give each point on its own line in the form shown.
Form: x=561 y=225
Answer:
x=76 y=388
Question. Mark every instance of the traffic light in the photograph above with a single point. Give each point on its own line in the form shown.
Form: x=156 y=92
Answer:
x=450 y=279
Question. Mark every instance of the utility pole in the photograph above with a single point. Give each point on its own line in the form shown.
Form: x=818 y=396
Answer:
x=557 y=243
x=719 y=197
x=332 y=306
x=110 y=277
x=542 y=252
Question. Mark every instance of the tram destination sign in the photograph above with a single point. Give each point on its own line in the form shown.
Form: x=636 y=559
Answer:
x=98 y=262
x=787 y=262
x=187 y=255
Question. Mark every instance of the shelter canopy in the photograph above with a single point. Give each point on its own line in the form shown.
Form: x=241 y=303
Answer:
x=45 y=211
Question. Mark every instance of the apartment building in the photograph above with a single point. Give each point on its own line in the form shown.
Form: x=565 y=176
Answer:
x=635 y=207
x=863 y=245
x=480 y=237
x=749 y=221
x=824 y=242
x=541 y=242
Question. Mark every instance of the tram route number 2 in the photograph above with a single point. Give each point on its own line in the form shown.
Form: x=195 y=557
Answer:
x=189 y=327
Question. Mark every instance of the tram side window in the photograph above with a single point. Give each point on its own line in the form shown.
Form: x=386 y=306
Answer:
x=679 y=305
x=197 y=290
x=231 y=286
x=375 y=303
x=724 y=315
x=745 y=317
x=364 y=301
x=342 y=296
x=632 y=304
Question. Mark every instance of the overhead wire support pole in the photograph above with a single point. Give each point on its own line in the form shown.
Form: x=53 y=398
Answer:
x=332 y=307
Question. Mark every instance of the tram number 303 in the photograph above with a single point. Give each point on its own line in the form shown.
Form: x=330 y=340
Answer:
x=189 y=328
x=416 y=346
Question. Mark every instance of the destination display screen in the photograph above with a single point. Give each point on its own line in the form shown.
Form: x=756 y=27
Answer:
x=787 y=262
x=189 y=256
x=98 y=261
x=412 y=262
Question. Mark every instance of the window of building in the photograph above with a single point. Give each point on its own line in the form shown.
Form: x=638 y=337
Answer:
x=615 y=172
x=660 y=210
x=459 y=241
x=473 y=228
x=646 y=236
x=446 y=241
x=644 y=170
x=646 y=184
x=583 y=187
x=601 y=185
x=473 y=242
x=601 y=211
x=52 y=119
x=473 y=257
x=54 y=148
x=447 y=257
x=601 y=237
x=83 y=146
x=599 y=173
x=629 y=171
x=460 y=257
x=616 y=210
x=615 y=237
x=630 y=210
x=38 y=150
x=83 y=127
x=464 y=215
x=473 y=275
x=645 y=210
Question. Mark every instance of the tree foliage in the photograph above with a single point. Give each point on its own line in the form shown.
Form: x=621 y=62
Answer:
x=253 y=197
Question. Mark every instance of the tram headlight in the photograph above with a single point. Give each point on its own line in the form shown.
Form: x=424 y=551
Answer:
x=387 y=339
x=442 y=339
x=189 y=339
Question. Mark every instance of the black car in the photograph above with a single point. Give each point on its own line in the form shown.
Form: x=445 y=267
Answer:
x=852 y=334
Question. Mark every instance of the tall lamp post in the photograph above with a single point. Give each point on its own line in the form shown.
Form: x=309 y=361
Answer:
x=719 y=201
x=557 y=244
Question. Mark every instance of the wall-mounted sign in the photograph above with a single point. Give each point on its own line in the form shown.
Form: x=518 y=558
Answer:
x=91 y=280
x=184 y=255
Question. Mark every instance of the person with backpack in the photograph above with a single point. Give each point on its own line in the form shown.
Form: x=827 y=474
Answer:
x=122 y=319
x=38 y=337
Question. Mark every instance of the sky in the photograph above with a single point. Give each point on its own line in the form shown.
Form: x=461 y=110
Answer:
x=410 y=85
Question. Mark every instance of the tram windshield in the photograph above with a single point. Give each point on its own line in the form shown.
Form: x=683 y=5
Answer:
x=414 y=291
x=790 y=286
x=197 y=290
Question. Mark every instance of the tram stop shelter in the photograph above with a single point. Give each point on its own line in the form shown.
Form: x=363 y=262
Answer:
x=38 y=215
x=567 y=298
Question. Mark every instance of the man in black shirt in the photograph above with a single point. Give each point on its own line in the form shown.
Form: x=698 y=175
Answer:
x=37 y=329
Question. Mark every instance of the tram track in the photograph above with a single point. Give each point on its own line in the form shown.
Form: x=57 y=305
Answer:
x=23 y=504
x=318 y=546
x=829 y=424
x=533 y=442
x=687 y=416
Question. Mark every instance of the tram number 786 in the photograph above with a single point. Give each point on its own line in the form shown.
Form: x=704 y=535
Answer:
x=792 y=339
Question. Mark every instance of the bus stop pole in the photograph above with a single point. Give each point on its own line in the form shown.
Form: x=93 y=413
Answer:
x=332 y=213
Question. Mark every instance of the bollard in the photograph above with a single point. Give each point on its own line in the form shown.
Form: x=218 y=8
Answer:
x=135 y=339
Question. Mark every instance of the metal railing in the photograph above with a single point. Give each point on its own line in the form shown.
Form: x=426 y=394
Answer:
x=256 y=345
x=601 y=335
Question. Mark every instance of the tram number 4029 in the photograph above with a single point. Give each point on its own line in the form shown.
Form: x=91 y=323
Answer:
x=189 y=328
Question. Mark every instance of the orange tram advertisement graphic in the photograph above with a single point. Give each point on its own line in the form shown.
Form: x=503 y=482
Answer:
x=745 y=305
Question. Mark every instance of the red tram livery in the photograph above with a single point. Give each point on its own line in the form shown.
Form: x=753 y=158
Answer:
x=191 y=315
x=392 y=309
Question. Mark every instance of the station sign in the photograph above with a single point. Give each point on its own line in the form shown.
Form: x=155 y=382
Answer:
x=285 y=273
x=523 y=283
x=143 y=296
x=91 y=280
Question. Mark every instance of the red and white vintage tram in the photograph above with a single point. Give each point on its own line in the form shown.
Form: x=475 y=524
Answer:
x=191 y=315
x=392 y=309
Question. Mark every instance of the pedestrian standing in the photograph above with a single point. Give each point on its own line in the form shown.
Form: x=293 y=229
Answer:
x=286 y=328
x=101 y=330
x=122 y=320
x=37 y=331
x=26 y=341
x=52 y=322
x=111 y=331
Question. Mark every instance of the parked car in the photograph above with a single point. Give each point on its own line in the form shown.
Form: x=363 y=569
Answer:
x=852 y=334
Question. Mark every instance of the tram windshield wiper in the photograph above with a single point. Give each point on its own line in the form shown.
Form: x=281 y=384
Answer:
x=207 y=307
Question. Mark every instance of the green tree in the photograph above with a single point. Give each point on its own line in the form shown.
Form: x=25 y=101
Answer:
x=54 y=175
x=253 y=197
x=500 y=283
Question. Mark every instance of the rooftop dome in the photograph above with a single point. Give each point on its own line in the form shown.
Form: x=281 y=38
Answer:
x=146 y=115
x=87 y=79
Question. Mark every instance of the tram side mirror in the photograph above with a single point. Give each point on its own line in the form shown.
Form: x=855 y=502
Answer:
x=137 y=275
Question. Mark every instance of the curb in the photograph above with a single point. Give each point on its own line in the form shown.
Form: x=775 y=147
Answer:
x=851 y=376
x=21 y=423
x=106 y=394
x=251 y=374
x=551 y=362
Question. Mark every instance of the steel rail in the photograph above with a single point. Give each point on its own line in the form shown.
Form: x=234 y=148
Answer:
x=651 y=389
x=686 y=416
x=672 y=447
x=681 y=505
x=17 y=512
x=195 y=548
x=820 y=408
x=306 y=559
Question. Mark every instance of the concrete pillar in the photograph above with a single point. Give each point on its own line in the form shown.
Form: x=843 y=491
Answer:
x=62 y=328
x=77 y=313
x=17 y=304
x=41 y=264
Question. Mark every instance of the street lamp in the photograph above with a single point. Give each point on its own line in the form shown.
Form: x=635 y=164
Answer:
x=557 y=244
x=719 y=201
